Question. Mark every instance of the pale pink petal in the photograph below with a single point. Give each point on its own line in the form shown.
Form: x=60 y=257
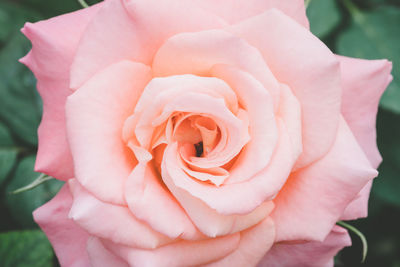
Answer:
x=358 y=208
x=290 y=113
x=134 y=30
x=151 y=201
x=307 y=254
x=208 y=220
x=95 y=118
x=254 y=243
x=181 y=253
x=256 y=100
x=162 y=91
x=236 y=10
x=66 y=237
x=54 y=43
x=363 y=83
x=113 y=222
x=301 y=61
x=197 y=53
x=321 y=192
x=102 y=257
x=237 y=198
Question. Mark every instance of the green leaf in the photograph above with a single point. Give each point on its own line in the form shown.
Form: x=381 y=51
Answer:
x=12 y=18
x=22 y=205
x=8 y=153
x=323 y=15
x=25 y=248
x=20 y=106
x=387 y=185
x=375 y=35
x=52 y=8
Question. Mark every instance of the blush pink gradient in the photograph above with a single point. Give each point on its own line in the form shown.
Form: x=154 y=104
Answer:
x=130 y=88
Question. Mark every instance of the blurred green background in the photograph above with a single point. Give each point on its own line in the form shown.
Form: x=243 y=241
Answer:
x=358 y=28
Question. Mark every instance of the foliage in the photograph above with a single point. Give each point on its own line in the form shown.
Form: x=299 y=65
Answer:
x=357 y=28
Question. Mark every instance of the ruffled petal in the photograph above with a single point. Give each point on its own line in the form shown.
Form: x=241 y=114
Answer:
x=112 y=222
x=54 y=43
x=301 y=61
x=256 y=100
x=254 y=243
x=181 y=253
x=151 y=201
x=102 y=257
x=130 y=30
x=234 y=11
x=236 y=198
x=358 y=208
x=321 y=192
x=308 y=254
x=198 y=52
x=66 y=237
x=363 y=83
x=95 y=117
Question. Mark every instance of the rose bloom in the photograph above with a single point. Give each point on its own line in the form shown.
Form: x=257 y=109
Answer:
x=201 y=132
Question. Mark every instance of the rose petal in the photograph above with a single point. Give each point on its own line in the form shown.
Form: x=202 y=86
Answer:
x=254 y=243
x=151 y=202
x=54 y=42
x=66 y=237
x=234 y=11
x=113 y=222
x=130 y=30
x=308 y=254
x=363 y=83
x=161 y=91
x=300 y=60
x=182 y=253
x=102 y=257
x=95 y=117
x=256 y=155
x=237 y=198
x=197 y=53
x=321 y=192
x=208 y=220
x=358 y=208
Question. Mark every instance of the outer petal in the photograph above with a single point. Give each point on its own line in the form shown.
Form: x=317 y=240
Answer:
x=127 y=29
x=363 y=83
x=181 y=253
x=102 y=257
x=236 y=10
x=300 y=60
x=198 y=52
x=54 y=43
x=67 y=238
x=95 y=117
x=321 y=192
x=254 y=243
x=118 y=224
x=309 y=254
x=151 y=201
x=358 y=208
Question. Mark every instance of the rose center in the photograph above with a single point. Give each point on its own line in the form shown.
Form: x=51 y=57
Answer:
x=199 y=131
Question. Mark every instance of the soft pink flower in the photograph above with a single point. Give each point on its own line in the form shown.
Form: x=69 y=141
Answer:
x=201 y=132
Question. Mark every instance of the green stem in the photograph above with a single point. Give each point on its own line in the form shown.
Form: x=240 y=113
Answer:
x=307 y=3
x=353 y=9
x=41 y=179
x=359 y=234
x=83 y=3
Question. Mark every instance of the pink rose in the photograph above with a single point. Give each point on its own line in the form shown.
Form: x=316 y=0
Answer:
x=201 y=132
